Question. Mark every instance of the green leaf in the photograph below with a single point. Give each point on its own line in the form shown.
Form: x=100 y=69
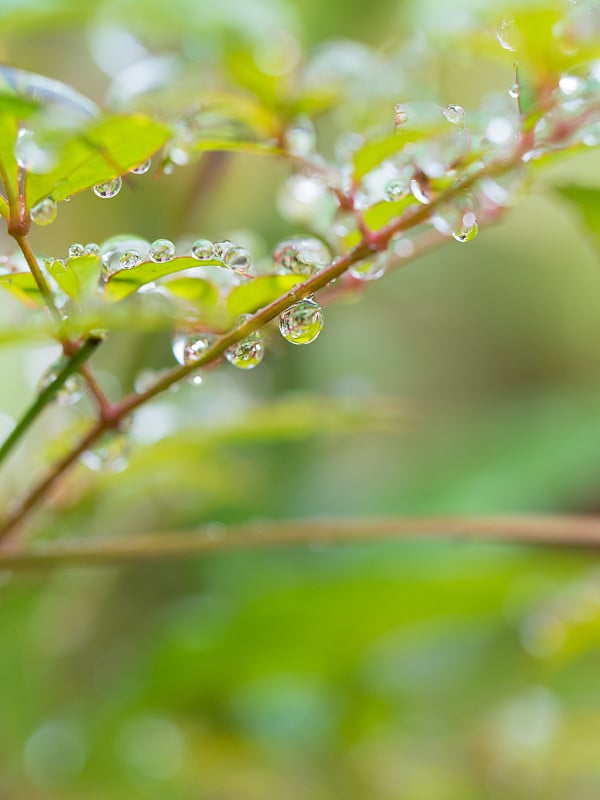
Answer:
x=22 y=285
x=87 y=271
x=249 y=297
x=126 y=281
x=65 y=276
x=236 y=146
x=8 y=163
x=375 y=151
x=197 y=291
x=106 y=149
x=586 y=202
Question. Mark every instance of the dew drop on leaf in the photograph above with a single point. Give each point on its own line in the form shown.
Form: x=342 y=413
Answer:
x=162 y=250
x=454 y=114
x=44 y=212
x=302 y=322
x=238 y=258
x=514 y=91
x=76 y=250
x=202 y=249
x=248 y=353
x=420 y=192
x=221 y=248
x=129 y=259
x=91 y=249
x=505 y=34
x=142 y=168
x=108 y=189
x=395 y=190
x=468 y=228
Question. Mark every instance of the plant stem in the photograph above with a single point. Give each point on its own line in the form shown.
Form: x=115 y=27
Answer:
x=561 y=531
x=38 y=276
x=73 y=365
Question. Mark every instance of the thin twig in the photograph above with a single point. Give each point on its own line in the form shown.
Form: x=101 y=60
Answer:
x=561 y=531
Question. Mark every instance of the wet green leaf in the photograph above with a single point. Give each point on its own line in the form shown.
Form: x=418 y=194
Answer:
x=65 y=276
x=106 y=149
x=126 y=281
x=23 y=286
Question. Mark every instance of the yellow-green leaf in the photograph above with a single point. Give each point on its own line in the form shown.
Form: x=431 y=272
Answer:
x=249 y=297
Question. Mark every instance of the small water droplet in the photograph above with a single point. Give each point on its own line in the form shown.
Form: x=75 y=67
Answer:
x=76 y=250
x=302 y=322
x=395 y=190
x=162 y=250
x=514 y=91
x=238 y=258
x=91 y=249
x=129 y=259
x=420 y=192
x=505 y=34
x=189 y=348
x=371 y=269
x=248 y=353
x=73 y=389
x=454 y=114
x=301 y=255
x=571 y=84
x=110 y=454
x=202 y=249
x=468 y=228
x=300 y=137
x=221 y=248
x=44 y=212
x=108 y=189
x=401 y=246
x=142 y=168
x=400 y=115
x=31 y=156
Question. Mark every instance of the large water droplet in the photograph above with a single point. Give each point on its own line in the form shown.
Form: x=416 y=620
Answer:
x=108 y=189
x=162 y=250
x=248 y=353
x=301 y=255
x=129 y=259
x=189 y=348
x=91 y=249
x=202 y=249
x=506 y=34
x=454 y=114
x=76 y=250
x=31 y=156
x=302 y=322
x=142 y=168
x=44 y=212
x=73 y=389
x=371 y=269
x=238 y=258
x=467 y=229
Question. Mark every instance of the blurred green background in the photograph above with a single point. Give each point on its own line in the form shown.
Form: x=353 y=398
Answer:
x=467 y=382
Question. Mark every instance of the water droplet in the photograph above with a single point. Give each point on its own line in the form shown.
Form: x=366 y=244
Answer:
x=302 y=322
x=91 y=249
x=514 y=91
x=110 y=454
x=44 y=212
x=571 y=84
x=188 y=348
x=401 y=246
x=395 y=190
x=400 y=115
x=344 y=223
x=300 y=137
x=420 y=192
x=248 y=353
x=468 y=228
x=178 y=155
x=108 y=189
x=142 y=168
x=506 y=33
x=221 y=248
x=30 y=156
x=202 y=249
x=162 y=250
x=76 y=250
x=129 y=259
x=454 y=114
x=371 y=269
x=73 y=389
x=501 y=131
x=301 y=255
x=238 y=258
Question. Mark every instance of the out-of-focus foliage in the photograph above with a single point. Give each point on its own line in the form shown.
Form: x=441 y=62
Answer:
x=466 y=383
